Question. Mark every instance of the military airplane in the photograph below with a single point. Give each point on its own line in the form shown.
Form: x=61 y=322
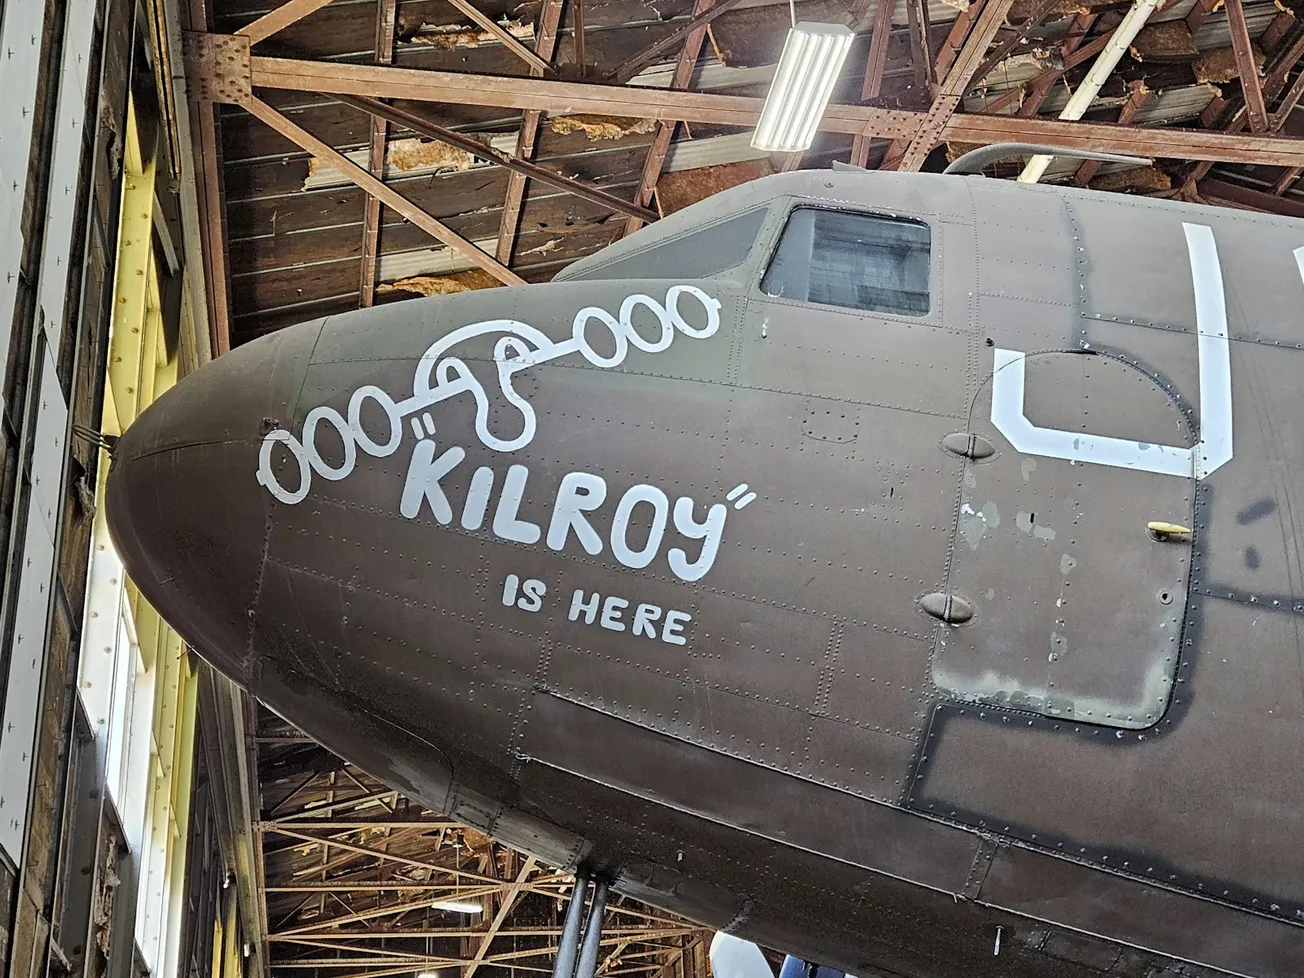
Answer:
x=899 y=570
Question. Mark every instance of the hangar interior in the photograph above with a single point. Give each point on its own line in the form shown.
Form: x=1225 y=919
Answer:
x=183 y=176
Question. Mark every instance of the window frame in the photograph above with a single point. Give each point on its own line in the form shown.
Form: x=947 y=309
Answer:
x=739 y=271
x=783 y=216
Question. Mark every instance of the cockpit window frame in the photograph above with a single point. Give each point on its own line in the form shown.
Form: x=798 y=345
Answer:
x=782 y=215
x=741 y=271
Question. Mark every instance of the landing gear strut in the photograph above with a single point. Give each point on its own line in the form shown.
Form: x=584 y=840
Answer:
x=581 y=933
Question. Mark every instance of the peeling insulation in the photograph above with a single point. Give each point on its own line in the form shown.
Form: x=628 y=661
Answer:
x=753 y=37
x=675 y=191
x=448 y=37
x=430 y=285
x=401 y=155
x=1169 y=41
x=543 y=249
x=1021 y=10
x=955 y=150
x=409 y=154
x=1220 y=65
x=600 y=126
x=1145 y=179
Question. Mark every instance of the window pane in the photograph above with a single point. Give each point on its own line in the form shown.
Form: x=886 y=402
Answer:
x=698 y=254
x=852 y=260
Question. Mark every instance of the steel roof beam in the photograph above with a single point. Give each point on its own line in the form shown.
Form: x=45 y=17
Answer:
x=323 y=823
x=424 y=127
x=876 y=64
x=702 y=15
x=279 y=19
x=526 y=93
x=356 y=174
x=1137 y=95
x=1251 y=86
x=545 y=45
x=953 y=87
x=655 y=161
x=510 y=894
x=385 y=15
x=535 y=62
x=1002 y=48
x=636 y=935
x=1272 y=84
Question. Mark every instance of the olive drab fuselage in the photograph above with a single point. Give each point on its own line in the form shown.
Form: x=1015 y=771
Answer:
x=867 y=564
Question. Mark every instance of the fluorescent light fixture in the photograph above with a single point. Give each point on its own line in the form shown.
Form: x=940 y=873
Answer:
x=458 y=906
x=428 y=974
x=808 y=68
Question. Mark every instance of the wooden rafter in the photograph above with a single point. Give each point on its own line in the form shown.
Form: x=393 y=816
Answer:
x=1251 y=86
x=356 y=174
x=385 y=15
x=545 y=44
x=956 y=83
x=279 y=19
x=655 y=161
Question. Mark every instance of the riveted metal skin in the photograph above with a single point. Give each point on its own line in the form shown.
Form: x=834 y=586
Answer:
x=646 y=597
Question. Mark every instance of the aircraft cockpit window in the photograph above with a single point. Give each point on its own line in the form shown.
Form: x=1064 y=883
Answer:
x=858 y=261
x=695 y=254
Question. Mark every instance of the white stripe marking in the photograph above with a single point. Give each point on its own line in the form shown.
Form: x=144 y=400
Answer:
x=1215 y=445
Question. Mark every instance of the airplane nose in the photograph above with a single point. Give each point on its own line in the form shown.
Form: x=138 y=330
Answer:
x=184 y=512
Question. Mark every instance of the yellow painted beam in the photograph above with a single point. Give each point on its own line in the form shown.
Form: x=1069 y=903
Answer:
x=233 y=962
x=151 y=333
x=131 y=280
x=147 y=628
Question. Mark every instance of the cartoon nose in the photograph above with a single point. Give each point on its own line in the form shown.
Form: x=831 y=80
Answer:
x=187 y=517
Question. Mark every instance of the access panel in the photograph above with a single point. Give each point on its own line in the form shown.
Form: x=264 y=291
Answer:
x=1073 y=574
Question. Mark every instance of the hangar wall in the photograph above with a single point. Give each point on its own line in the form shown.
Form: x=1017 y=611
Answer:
x=112 y=858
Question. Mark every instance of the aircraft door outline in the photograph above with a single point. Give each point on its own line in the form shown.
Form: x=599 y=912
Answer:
x=1213 y=448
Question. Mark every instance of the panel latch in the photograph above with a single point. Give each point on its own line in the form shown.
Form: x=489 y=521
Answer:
x=950 y=608
x=969 y=445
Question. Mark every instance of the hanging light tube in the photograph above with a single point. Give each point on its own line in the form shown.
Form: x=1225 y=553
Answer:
x=809 y=67
x=458 y=906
